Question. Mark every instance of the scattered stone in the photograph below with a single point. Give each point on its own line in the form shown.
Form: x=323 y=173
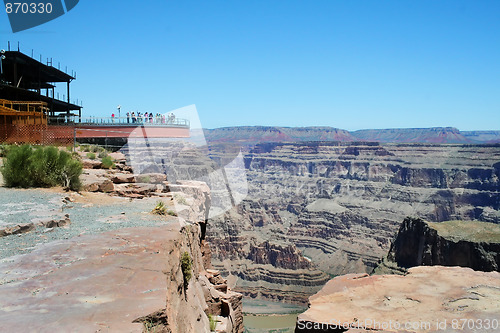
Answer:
x=17 y=229
x=52 y=222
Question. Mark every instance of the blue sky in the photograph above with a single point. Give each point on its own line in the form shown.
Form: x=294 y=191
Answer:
x=346 y=64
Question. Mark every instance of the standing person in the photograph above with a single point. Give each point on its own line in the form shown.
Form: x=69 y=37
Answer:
x=151 y=117
x=112 y=117
x=145 y=117
x=133 y=117
x=128 y=117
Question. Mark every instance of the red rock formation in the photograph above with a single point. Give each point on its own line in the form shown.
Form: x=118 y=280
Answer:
x=427 y=299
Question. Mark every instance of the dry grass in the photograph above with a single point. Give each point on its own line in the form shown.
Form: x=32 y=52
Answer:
x=474 y=231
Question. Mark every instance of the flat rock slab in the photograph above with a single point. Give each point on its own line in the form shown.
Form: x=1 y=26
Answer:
x=429 y=298
x=95 y=283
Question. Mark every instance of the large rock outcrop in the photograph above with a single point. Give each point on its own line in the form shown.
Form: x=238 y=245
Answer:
x=126 y=280
x=452 y=243
x=427 y=299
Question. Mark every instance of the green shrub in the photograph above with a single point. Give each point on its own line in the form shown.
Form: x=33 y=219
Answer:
x=91 y=156
x=16 y=167
x=102 y=154
x=3 y=150
x=107 y=162
x=85 y=148
x=186 y=266
x=41 y=167
x=171 y=212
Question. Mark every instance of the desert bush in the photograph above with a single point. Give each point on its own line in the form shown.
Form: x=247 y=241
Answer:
x=186 y=266
x=15 y=170
x=25 y=166
x=107 y=162
x=103 y=154
x=160 y=208
x=213 y=322
x=180 y=199
x=91 y=156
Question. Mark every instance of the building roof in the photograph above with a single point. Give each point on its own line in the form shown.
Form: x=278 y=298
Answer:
x=32 y=71
x=18 y=94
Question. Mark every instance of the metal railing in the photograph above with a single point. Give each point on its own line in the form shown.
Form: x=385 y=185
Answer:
x=119 y=121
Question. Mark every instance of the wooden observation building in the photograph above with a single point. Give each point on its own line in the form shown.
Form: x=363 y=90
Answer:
x=27 y=91
x=31 y=112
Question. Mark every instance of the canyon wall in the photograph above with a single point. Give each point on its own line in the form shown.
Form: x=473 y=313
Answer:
x=198 y=297
x=313 y=210
x=338 y=205
x=453 y=243
x=419 y=298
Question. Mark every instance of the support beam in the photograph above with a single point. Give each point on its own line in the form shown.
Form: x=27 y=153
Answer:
x=68 y=97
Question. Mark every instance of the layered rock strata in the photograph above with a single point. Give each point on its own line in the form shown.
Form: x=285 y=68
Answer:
x=453 y=243
x=328 y=208
x=339 y=205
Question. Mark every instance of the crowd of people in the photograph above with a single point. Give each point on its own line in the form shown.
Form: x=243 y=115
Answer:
x=150 y=118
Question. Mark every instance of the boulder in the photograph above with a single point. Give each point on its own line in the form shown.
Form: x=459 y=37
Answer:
x=91 y=164
x=106 y=186
x=121 y=178
x=94 y=187
x=135 y=190
x=153 y=178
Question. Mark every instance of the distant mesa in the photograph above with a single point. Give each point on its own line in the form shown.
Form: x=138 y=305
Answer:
x=251 y=135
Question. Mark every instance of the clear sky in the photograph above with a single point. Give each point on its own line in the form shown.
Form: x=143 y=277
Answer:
x=346 y=64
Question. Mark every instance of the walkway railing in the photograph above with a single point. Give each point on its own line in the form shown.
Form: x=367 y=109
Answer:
x=119 y=121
